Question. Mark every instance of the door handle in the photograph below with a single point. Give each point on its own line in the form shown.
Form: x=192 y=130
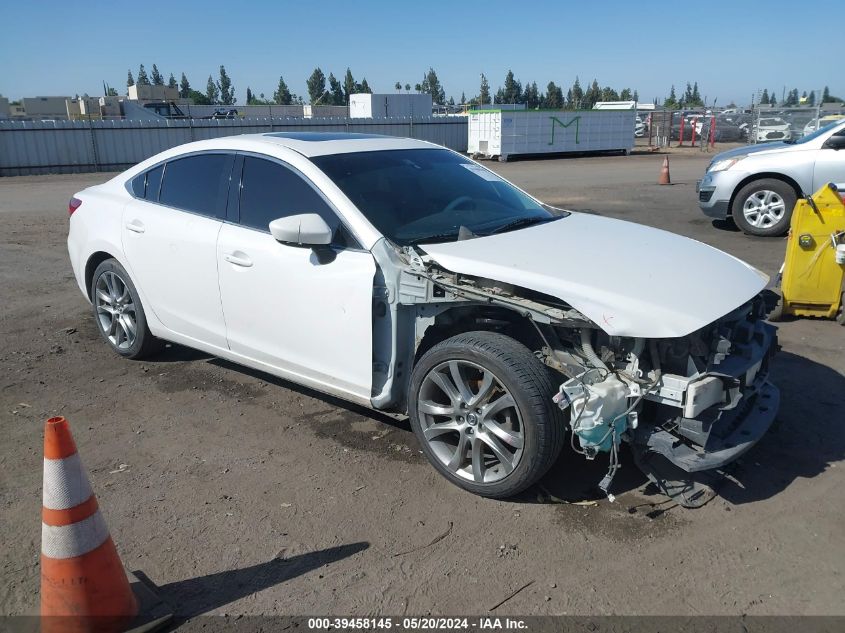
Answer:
x=238 y=259
x=136 y=226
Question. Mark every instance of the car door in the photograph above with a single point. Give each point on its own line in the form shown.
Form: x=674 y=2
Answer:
x=170 y=231
x=830 y=166
x=306 y=313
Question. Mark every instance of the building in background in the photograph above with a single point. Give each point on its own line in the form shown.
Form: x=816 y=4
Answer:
x=45 y=107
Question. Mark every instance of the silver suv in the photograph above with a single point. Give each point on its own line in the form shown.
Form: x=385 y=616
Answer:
x=759 y=185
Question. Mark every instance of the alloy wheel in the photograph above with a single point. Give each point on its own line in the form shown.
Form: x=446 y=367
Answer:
x=470 y=421
x=115 y=310
x=764 y=209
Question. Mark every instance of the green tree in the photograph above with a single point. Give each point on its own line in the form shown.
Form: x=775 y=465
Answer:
x=825 y=93
x=671 y=101
x=282 y=95
x=184 y=87
x=431 y=85
x=592 y=95
x=365 y=87
x=158 y=80
x=764 y=100
x=625 y=95
x=199 y=98
x=249 y=96
x=316 y=85
x=130 y=80
x=227 y=90
x=577 y=98
x=772 y=99
x=143 y=80
x=451 y=101
x=349 y=85
x=171 y=83
x=407 y=87
x=512 y=90
x=636 y=96
x=609 y=94
x=484 y=95
x=336 y=89
x=554 y=97
x=463 y=98
x=418 y=87
x=111 y=92
x=531 y=97
x=811 y=100
x=398 y=86
x=696 y=95
x=212 y=93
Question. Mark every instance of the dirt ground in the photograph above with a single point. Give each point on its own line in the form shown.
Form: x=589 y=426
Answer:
x=240 y=493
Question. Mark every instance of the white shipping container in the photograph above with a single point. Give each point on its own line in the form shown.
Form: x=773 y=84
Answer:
x=381 y=106
x=502 y=134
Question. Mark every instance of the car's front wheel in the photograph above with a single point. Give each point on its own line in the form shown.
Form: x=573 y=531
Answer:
x=764 y=207
x=118 y=312
x=481 y=406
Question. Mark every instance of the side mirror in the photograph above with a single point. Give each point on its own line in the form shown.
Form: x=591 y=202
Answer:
x=305 y=229
x=835 y=142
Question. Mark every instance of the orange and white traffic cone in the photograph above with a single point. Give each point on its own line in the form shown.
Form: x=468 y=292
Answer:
x=664 y=173
x=84 y=586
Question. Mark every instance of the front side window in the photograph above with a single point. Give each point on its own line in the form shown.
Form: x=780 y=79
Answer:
x=431 y=195
x=198 y=183
x=270 y=191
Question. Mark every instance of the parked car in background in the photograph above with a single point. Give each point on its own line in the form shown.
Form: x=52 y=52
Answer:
x=405 y=277
x=815 y=124
x=758 y=185
x=772 y=129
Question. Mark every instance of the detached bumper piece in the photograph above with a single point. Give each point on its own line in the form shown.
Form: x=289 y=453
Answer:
x=755 y=416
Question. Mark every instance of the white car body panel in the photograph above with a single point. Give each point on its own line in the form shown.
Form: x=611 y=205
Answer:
x=174 y=259
x=654 y=286
x=305 y=319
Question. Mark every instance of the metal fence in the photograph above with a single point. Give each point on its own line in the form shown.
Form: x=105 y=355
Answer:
x=50 y=147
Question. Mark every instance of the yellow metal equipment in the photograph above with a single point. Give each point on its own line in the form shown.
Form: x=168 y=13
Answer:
x=811 y=282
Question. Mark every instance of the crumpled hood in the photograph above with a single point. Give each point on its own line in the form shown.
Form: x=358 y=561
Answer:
x=630 y=279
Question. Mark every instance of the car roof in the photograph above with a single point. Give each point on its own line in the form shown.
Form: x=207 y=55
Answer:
x=312 y=144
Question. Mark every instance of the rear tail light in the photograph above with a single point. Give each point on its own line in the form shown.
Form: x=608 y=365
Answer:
x=73 y=205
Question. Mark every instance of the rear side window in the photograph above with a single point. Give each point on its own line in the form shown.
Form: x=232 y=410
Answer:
x=146 y=185
x=199 y=184
x=270 y=191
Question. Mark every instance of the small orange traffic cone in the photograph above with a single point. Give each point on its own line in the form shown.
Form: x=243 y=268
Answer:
x=84 y=587
x=664 y=173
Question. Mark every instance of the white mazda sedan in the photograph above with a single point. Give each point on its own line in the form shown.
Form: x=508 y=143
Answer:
x=403 y=276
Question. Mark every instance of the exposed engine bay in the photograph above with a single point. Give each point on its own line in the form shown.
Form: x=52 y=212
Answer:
x=686 y=406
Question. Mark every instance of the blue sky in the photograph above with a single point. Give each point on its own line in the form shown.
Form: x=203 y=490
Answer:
x=731 y=48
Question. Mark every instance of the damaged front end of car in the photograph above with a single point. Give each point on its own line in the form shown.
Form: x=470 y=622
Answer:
x=687 y=406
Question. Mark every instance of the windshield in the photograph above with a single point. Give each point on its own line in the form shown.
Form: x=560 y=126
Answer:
x=431 y=195
x=822 y=130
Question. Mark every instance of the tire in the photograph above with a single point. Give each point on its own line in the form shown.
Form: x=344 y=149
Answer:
x=764 y=207
x=507 y=445
x=776 y=313
x=116 y=307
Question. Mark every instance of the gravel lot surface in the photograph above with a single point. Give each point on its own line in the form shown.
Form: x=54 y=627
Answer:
x=240 y=493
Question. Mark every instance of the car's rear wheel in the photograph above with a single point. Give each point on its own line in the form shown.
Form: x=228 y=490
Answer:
x=481 y=406
x=764 y=207
x=119 y=314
